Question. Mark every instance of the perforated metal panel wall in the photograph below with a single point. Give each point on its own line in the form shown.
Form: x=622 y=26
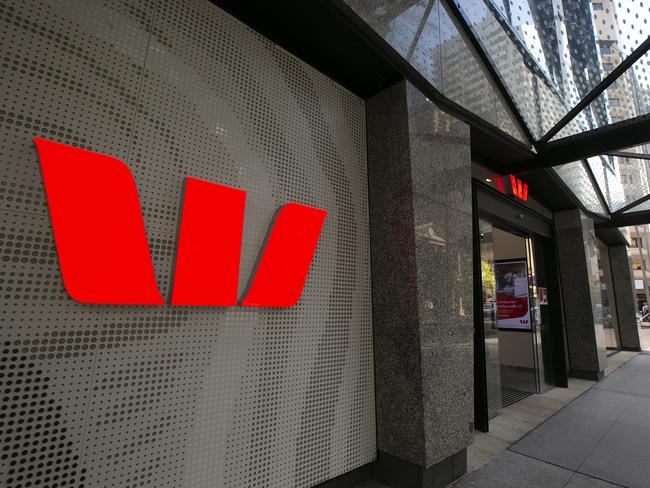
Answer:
x=103 y=396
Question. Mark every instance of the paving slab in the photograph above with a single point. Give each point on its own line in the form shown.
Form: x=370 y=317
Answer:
x=641 y=361
x=632 y=382
x=621 y=457
x=530 y=410
x=507 y=431
x=514 y=422
x=604 y=404
x=637 y=412
x=600 y=439
x=565 y=439
x=625 y=355
x=511 y=470
x=524 y=415
x=477 y=457
x=564 y=394
x=544 y=401
x=582 y=481
x=580 y=384
x=489 y=443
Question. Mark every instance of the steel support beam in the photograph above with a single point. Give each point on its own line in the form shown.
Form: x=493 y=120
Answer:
x=597 y=90
x=595 y=184
x=625 y=220
x=627 y=207
x=629 y=155
x=588 y=144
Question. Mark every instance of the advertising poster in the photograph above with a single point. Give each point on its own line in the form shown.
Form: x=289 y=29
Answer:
x=542 y=294
x=513 y=310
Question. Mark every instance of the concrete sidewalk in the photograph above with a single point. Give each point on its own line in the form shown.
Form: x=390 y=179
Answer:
x=517 y=420
x=601 y=439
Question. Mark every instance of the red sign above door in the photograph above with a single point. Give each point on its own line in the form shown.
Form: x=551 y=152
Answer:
x=517 y=188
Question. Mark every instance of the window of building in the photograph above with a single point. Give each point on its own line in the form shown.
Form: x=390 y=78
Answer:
x=597 y=6
x=636 y=263
x=614 y=102
x=635 y=242
x=606 y=47
x=627 y=179
x=608 y=66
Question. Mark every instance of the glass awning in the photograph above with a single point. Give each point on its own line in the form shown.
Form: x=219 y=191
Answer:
x=545 y=72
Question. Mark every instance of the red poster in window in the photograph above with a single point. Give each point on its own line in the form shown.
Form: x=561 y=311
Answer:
x=513 y=310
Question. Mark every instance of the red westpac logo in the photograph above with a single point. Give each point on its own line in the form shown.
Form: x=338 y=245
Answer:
x=519 y=188
x=102 y=245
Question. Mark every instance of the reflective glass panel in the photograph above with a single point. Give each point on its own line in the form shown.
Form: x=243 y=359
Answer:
x=625 y=99
x=463 y=78
x=641 y=207
x=425 y=35
x=604 y=171
x=634 y=178
x=576 y=177
x=537 y=99
x=580 y=123
x=576 y=43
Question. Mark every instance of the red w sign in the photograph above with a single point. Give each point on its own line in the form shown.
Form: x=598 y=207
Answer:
x=519 y=188
x=102 y=244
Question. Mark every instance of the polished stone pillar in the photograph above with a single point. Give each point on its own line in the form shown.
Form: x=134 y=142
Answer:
x=419 y=170
x=580 y=280
x=624 y=298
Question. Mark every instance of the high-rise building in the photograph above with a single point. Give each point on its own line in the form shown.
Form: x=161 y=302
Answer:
x=622 y=102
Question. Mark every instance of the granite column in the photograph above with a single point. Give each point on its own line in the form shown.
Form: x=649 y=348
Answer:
x=624 y=297
x=419 y=168
x=580 y=278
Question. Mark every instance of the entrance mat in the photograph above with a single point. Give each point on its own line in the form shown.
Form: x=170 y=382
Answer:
x=511 y=395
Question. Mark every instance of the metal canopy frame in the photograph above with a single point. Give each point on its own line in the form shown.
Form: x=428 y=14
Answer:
x=629 y=155
x=636 y=202
x=599 y=141
x=360 y=59
x=614 y=75
x=628 y=219
x=608 y=140
x=595 y=142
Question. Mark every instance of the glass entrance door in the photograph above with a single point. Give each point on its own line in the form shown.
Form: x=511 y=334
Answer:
x=608 y=310
x=490 y=331
x=519 y=324
x=507 y=272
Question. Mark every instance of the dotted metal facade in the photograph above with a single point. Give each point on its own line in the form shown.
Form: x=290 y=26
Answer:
x=110 y=396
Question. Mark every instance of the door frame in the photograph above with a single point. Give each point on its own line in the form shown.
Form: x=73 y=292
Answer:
x=486 y=202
